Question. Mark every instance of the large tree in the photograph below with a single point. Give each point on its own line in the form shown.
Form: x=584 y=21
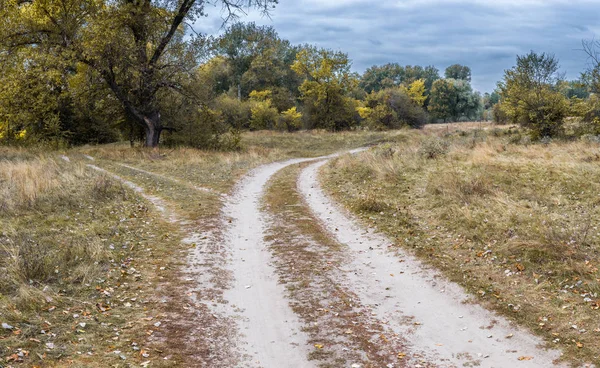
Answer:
x=327 y=84
x=454 y=100
x=531 y=94
x=137 y=47
x=241 y=44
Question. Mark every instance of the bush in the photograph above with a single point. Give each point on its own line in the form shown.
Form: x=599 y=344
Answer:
x=531 y=97
x=235 y=113
x=392 y=108
x=264 y=116
x=499 y=114
x=434 y=148
x=290 y=120
x=204 y=129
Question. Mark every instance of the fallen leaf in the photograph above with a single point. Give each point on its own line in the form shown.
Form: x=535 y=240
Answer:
x=525 y=357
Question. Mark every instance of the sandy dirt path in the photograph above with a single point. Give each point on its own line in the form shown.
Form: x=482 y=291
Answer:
x=271 y=333
x=417 y=302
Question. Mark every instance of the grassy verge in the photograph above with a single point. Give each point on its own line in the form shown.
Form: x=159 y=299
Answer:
x=341 y=330
x=86 y=268
x=515 y=224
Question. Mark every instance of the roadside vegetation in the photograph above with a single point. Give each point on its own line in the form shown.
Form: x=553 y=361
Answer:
x=79 y=261
x=515 y=223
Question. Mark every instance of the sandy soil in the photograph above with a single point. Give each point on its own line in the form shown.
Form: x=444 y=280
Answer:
x=434 y=315
x=271 y=333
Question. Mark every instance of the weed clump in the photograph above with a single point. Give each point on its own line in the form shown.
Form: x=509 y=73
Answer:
x=433 y=148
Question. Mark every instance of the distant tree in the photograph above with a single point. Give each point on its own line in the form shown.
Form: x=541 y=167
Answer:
x=377 y=78
x=531 y=95
x=574 y=89
x=327 y=83
x=271 y=69
x=490 y=99
x=458 y=72
x=443 y=100
x=241 y=44
x=429 y=74
x=392 y=108
x=454 y=100
x=416 y=92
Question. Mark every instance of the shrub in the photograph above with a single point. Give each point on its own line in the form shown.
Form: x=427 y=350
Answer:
x=264 y=116
x=531 y=97
x=433 y=148
x=290 y=120
x=391 y=108
x=235 y=113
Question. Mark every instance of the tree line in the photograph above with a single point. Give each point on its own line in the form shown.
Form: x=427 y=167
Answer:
x=92 y=71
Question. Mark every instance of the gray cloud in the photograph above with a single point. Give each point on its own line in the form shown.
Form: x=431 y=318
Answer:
x=486 y=35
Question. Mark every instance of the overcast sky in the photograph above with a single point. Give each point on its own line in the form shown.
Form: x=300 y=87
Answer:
x=485 y=35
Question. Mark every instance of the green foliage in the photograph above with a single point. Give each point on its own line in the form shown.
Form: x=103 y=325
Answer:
x=242 y=44
x=589 y=111
x=458 y=72
x=327 y=83
x=392 y=108
x=454 y=100
x=377 y=78
x=499 y=114
x=235 y=113
x=390 y=75
x=531 y=96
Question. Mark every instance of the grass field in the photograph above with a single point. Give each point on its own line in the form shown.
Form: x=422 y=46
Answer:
x=516 y=224
x=79 y=259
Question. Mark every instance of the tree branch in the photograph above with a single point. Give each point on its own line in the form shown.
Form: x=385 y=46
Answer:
x=183 y=11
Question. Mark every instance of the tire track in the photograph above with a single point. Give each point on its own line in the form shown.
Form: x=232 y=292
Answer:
x=418 y=303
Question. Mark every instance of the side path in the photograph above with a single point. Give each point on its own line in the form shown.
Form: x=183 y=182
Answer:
x=418 y=303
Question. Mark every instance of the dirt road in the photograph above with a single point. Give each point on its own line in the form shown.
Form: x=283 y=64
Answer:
x=411 y=302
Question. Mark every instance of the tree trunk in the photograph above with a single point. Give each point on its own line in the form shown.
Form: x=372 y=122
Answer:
x=239 y=87
x=152 y=128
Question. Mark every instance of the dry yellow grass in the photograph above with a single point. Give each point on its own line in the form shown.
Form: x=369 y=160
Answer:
x=65 y=235
x=516 y=224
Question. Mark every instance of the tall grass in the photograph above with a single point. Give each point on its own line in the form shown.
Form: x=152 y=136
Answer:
x=37 y=197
